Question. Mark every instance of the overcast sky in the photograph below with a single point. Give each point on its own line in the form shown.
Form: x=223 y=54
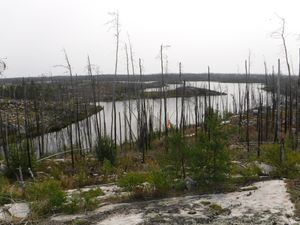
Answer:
x=218 y=33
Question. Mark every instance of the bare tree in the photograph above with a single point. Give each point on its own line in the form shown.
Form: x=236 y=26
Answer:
x=68 y=67
x=278 y=119
x=280 y=34
x=115 y=24
x=163 y=86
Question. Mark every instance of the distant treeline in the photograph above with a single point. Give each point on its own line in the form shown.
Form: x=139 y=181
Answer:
x=169 y=78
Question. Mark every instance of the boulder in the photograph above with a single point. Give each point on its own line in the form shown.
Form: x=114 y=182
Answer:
x=2 y=167
x=264 y=168
x=14 y=211
x=19 y=210
x=190 y=184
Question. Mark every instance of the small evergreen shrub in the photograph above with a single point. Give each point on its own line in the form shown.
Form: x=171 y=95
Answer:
x=209 y=157
x=160 y=183
x=105 y=149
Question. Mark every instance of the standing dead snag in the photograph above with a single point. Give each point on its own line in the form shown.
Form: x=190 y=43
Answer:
x=208 y=110
x=280 y=34
x=115 y=24
x=267 y=105
x=142 y=118
x=71 y=106
x=163 y=87
x=278 y=120
x=177 y=127
x=259 y=126
x=93 y=84
x=70 y=103
x=247 y=105
x=182 y=117
x=130 y=111
x=274 y=102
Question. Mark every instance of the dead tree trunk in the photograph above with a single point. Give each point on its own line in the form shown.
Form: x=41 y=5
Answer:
x=279 y=135
x=248 y=106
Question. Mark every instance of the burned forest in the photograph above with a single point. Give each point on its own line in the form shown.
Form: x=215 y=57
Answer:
x=136 y=147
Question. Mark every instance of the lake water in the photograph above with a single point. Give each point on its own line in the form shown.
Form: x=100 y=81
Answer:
x=54 y=142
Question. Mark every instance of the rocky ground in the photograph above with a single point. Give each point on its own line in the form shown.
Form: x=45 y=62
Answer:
x=268 y=203
x=51 y=117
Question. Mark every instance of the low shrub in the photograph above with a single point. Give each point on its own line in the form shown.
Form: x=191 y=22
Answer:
x=217 y=209
x=8 y=192
x=68 y=181
x=83 y=201
x=132 y=179
x=93 y=193
x=178 y=185
x=249 y=172
x=289 y=167
x=73 y=205
x=107 y=169
x=151 y=184
x=81 y=178
x=160 y=183
x=45 y=197
x=4 y=186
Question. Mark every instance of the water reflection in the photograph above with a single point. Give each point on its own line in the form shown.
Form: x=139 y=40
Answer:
x=231 y=102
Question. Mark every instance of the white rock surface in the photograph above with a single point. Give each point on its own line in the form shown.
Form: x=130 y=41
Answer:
x=268 y=203
x=270 y=196
x=123 y=219
x=14 y=211
x=67 y=218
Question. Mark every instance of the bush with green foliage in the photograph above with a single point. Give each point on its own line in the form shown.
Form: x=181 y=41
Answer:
x=289 y=167
x=160 y=182
x=243 y=174
x=45 y=196
x=250 y=172
x=205 y=159
x=132 y=179
x=83 y=201
x=105 y=149
x=154 y=183
x=107 y=167
x=209 y=157
x=178 y=153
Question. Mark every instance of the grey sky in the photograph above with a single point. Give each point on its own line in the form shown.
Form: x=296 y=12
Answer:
x=218 y=33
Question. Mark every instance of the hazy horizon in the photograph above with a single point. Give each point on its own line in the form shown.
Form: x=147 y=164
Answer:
x=201 y=33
